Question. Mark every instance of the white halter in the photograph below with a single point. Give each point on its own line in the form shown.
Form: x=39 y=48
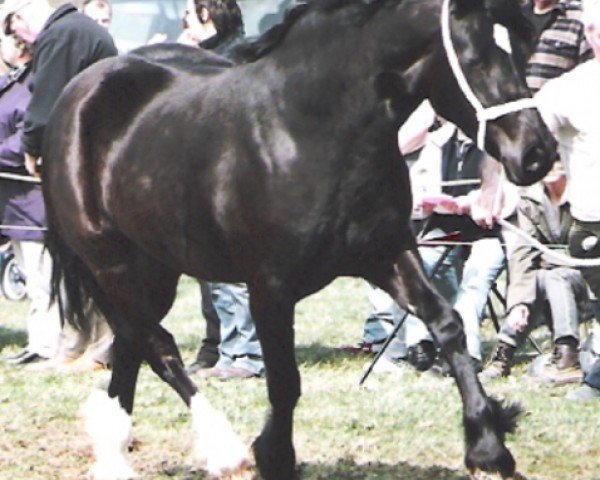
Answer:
x=483 y=114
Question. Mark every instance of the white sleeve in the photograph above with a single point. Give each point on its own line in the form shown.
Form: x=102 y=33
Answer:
x=413 y=132
x=553 y=104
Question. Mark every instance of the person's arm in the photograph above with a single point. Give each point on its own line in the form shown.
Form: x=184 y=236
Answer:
x=54 y=65
x=413 y=132
x=11 y=148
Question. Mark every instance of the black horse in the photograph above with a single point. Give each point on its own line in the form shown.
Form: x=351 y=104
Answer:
x=283 y=172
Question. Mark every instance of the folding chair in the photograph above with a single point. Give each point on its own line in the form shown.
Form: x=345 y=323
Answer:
x=449 y=242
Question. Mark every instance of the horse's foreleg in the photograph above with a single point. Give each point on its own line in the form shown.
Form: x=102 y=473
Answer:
x=274 y=318
x=107 y=416
x=486 y=422
x=216 y=444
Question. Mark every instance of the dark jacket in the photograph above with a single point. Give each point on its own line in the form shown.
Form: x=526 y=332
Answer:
x=69 y=42
x=21 y=203
x=14 y=99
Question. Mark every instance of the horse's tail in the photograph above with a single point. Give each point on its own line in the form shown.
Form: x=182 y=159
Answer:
x=73 y=286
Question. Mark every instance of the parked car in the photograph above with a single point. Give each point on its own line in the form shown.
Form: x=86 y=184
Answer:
x=137 y=21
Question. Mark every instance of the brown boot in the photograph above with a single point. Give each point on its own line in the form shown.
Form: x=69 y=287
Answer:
x=563 y=366
x=500 y=363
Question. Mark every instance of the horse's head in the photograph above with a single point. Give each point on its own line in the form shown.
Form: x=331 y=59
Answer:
x=484 y=75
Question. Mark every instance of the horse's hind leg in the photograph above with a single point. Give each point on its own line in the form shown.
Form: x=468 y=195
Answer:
x=137 y=296
x=216 y=444
x=274 y=318
x=486 y=422
x=134 y=294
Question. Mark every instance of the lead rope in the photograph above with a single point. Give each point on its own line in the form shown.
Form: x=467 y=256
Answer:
x=557 y=257
x=483 y=116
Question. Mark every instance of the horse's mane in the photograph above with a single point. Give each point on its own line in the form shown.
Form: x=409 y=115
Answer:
x=183 y=57
x=253 y=50
x=505 y=12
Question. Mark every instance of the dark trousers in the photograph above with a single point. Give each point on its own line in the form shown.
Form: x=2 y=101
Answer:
x=584 y=242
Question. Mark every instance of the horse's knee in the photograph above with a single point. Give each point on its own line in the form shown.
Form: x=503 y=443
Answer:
x=450 y=333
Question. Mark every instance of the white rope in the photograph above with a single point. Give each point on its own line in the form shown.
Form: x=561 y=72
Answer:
x=20 y=178
x=483 y=114
x=559 y=258
x=23 y=227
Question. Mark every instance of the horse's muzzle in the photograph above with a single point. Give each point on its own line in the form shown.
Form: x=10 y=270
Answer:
x=535 y=163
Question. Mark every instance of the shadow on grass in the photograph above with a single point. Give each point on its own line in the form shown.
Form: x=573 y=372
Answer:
x=319 y=354
x=8 y=336
x=348 y=470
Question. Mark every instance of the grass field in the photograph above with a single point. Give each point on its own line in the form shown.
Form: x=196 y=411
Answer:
x=401 y=426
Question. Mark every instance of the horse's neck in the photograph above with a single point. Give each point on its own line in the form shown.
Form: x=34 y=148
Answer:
x=339 y=59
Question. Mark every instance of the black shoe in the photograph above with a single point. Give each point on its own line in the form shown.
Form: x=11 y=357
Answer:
x=200 y=364
x=25 y=358
x=441 y=368
x=422 y=355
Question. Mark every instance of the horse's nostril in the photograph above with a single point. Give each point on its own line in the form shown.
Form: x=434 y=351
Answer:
x=534 y=160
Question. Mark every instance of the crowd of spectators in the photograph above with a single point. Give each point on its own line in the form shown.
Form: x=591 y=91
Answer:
x=39 y=49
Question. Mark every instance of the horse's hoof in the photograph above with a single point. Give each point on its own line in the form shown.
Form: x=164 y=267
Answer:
x=480 y=475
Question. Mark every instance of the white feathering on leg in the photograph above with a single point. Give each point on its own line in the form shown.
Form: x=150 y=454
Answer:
x=109 y=428
x=216 y=444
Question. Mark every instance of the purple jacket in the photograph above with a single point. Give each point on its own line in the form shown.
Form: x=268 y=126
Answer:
x=21 y=204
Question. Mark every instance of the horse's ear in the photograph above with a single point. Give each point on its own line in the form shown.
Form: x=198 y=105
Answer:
x=522 y=35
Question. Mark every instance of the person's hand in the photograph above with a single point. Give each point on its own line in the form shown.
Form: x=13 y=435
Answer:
x=440 y=203
x=485 y=209
x=518 y=318
x=31 y=165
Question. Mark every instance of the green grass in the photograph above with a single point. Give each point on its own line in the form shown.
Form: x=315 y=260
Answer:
x=401 y=426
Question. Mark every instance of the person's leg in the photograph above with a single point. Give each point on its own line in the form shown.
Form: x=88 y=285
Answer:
x=481 y=269
x=379 y=325
x=239 y=346
x=590 y=389
x=43 y=323
x=98 y=352
x=444 y=278
x=208 y=353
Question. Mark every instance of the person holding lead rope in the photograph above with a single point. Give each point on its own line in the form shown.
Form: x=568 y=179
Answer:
x=570 y=105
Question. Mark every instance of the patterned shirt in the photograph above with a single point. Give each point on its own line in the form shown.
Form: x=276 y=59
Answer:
x=561 y=45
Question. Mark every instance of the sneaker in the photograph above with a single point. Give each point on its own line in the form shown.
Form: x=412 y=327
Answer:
x=584 y=393
x=422 y=355
x=500 y=363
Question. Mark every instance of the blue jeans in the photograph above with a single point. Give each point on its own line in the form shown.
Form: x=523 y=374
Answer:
x=239 y=345
x=386 y=313
x=480 y=271
x=485 y=262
